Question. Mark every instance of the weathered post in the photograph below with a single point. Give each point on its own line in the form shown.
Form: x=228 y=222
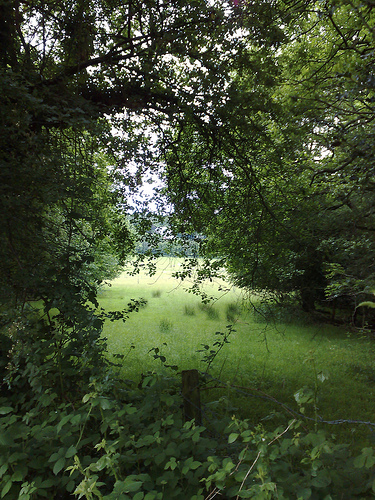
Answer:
x=191 y=396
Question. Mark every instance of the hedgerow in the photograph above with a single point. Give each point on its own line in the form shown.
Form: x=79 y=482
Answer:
x=99 y=436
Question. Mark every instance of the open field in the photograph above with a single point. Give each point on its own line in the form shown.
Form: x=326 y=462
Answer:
x=272 y=358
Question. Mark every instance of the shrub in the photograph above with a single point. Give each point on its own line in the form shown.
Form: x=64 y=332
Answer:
x=189 y=310
x=209 y=309
x=232 y=312
x=165 y=326
x=91 y=435
x=136 y=446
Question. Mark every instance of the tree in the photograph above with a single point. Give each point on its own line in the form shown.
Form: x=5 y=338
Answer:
x=283 y=186
x=64 y=69
x=329 y=92
x=337 y=91
x=70 y=74
x=71 y=67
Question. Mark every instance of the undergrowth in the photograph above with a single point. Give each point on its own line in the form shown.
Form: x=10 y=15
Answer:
x=74 y=425
x=96 y=436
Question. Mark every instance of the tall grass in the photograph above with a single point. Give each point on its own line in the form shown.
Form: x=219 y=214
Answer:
x=275 y=359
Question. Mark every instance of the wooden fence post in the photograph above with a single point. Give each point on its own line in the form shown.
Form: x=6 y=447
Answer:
x=191 y=396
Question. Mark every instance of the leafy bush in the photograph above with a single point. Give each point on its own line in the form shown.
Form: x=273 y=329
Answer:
x=141 y=449
x=70 y=428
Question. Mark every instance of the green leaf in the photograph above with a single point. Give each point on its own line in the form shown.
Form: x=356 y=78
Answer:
x=5 y=409
x=71 y=451
x=160 y=458
x=19 y=474
x=367 y=303
x=86 y=397
x=195 y=464
x=321 y=480
x=131 y=484
x=196 y=436
x=366 y=459
x=6 y=488
x=62 y=422
x=232 y=437
x=3 y=469
x=172 y=464
x=246 y=494
x=304 y=493
x=59 y=465
x=48 y=483
x=151 y=496
x=76 y=419
x=6 y=439
x=304 y=395
x=228 y=465
x=105 y=403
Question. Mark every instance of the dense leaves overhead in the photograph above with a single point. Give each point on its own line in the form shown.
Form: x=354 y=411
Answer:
x=258 y=115
x=139 y=55
x=83 y=84
x=63 y=66
x=283 y=186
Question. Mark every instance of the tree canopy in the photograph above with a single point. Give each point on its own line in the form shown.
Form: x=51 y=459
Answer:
x=256 y=115
x=283 y=188
x=73 y=73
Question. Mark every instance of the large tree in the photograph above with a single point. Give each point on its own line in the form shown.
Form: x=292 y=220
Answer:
x=84 y=85
x=284 y=188
x=65 y=69
x=72 y=73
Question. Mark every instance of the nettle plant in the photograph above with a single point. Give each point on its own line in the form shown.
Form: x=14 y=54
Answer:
x=101 y=437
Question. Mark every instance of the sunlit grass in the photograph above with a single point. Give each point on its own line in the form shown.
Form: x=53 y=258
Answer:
x=272 y=358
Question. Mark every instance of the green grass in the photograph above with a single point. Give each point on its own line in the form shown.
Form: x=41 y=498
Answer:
x=272 y=358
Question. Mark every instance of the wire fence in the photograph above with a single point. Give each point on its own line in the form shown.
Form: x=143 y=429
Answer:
x=202 y=410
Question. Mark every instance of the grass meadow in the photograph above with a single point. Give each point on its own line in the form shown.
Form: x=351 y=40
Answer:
x=263 y=359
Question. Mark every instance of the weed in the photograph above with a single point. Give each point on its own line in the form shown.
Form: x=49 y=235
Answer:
x=189 y=310
x=211 y=312
x=165 y=326
x=232 y=312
